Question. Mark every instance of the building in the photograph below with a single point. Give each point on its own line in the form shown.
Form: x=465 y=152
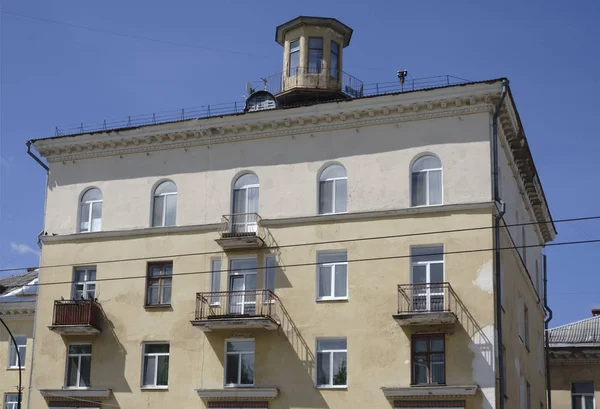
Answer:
x=574 y=353
x=18 y=294
x=362 y=274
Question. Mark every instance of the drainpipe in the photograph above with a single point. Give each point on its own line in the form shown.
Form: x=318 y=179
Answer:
x=38 y=160
x=547 y=336
x=498 y=245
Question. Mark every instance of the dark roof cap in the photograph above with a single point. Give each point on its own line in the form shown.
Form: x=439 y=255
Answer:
x=333 y=23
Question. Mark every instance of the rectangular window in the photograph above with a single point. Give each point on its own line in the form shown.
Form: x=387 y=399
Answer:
x=84 y=283
x=427 y=274
x=332 y=276
x=294 y=60
x=528 y=387
x=428 y=359
x=526 y=324
x=582 y=395
x=159 y=283
x=270 y=268
x=335 y=60
x=315 y=55
x=13 y=358
x=239 y=362
x=156 y=365
x=332 y=362
x=79 y=365
x=521 y=314
x=11 y=400
x=215 y=280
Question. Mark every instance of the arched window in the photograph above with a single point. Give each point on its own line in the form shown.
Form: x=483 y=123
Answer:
x=333 y=190
x=245 y=204
x=164 y=206
x=90 y=211
x=426 y=181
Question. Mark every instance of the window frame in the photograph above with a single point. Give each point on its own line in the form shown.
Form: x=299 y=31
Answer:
x=319 y=62
x=11 y=351
x=215 y=280
x=268 y=270
x=79 y=356
x=332 y=296
x=86 y=283
x=335 y=181
x=427 y=265
x=164 y=211
x=90 y=211
x=427 y=172
x=330 y=385
x=162 y=277
x=290 y=52
x=428 y=354
x=337 y=59
x=239 y=371
x=11 y=404
x=156 y=355
x=582 y=395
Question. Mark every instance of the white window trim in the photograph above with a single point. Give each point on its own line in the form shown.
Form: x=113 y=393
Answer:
x=85 y=283
x=333 y=200
x=212 y=272
x=164 y=212
x=239 y=374
x=6 y=404
x=89 y=215
x=69 y=355
x=330 y=385
x=583 y=395
x=155 y=354
x=19 y=346
x=427 y=265
x=429 y=170
x=332 y=297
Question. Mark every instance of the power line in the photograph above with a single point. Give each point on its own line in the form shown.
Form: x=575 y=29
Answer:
x=359 y=260
x=137 y=37
x=358 y=239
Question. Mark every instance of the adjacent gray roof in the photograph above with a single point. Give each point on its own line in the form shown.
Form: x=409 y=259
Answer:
x=580 y=333
x=9 y=284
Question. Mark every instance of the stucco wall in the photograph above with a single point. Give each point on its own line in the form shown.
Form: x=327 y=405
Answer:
x=561 y=377
x=9 y=378
x=378 y=348
x=377 y=159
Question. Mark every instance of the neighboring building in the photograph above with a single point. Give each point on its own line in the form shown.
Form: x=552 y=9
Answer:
x=191 y=289
x=575 y=363
x=18 y=294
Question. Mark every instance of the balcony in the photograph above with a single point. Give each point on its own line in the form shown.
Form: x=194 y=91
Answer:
x=240 y=231
x=226 y=310
x=76 y=317
x=426 y=304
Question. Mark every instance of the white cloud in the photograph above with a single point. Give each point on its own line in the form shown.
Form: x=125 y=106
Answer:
x=23 y=249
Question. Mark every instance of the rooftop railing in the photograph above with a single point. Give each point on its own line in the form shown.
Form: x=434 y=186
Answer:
x=350 y=86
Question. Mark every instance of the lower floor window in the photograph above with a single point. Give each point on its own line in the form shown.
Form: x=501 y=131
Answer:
x=239 y=362
x=11 y=400
x=79 y=366
x=332 y=362
x=428 y=359
x=156 y=365
x=582 y=395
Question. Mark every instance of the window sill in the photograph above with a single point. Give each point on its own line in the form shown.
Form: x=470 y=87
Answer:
x=14 y=368
x=331 y=214
x=332 y=387
x=158 y=307
x=76 y=388
x=237 y=386
x=340 y=299
x=425 y=385
x=154 y=388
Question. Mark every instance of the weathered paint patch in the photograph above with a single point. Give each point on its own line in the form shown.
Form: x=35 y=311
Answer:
x=482 y=346
x=485 y=277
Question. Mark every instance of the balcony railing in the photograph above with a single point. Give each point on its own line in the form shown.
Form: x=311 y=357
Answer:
x=426 y=303
x=240 y=230
x=236 y=309
x=76 y=317
x=314 y=78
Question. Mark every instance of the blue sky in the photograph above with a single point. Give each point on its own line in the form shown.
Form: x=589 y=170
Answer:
x=56 y=74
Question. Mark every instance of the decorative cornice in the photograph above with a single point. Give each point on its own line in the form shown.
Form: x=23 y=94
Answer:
x=200 y=132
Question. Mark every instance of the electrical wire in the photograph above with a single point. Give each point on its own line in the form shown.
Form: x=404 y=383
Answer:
x=357 y=239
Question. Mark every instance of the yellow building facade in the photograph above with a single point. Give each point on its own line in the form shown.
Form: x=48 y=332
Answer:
x=333 y=254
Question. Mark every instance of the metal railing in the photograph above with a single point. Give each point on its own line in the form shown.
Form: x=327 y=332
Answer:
x=355 y=89
x=314 y=78
x=76 y=312
x=240 y=224
x=235 y=304
x=426 y=298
